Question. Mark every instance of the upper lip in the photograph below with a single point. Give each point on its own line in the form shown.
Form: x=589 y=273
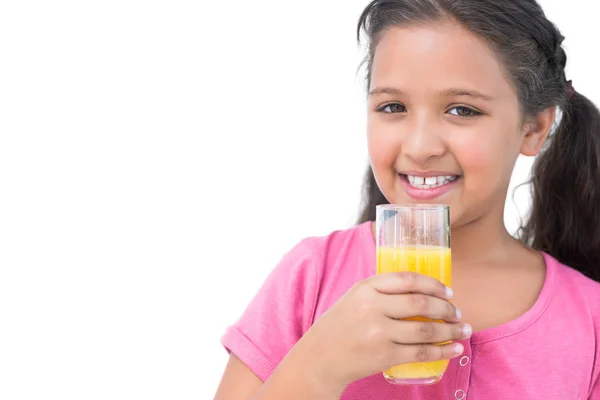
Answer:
x=427 y=174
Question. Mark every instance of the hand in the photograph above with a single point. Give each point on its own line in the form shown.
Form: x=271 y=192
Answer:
x=363 y=334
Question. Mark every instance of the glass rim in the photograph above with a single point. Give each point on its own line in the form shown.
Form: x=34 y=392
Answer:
x=418 y=206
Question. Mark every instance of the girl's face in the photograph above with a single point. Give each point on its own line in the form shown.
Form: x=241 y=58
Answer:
x=444 y=124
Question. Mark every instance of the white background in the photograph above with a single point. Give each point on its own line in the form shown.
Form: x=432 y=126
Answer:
x=156 y=160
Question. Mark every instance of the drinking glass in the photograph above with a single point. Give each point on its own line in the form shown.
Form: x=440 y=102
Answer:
x=415 y=237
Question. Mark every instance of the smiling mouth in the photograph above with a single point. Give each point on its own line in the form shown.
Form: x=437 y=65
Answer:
x=429 y=182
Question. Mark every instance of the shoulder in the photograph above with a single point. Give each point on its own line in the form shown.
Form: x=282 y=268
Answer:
x=327 y=249
x=340 y=259
x=323 y=268
x=313 y=255
x=577 y=286
x=576 y=311
x=303 y=266
x=577 y=297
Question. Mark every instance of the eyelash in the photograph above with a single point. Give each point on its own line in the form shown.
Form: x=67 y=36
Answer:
x=472 y=112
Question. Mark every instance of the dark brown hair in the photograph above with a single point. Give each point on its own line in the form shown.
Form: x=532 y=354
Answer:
x=565 y=180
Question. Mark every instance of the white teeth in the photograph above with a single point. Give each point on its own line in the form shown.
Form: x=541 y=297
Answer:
x=430 y=181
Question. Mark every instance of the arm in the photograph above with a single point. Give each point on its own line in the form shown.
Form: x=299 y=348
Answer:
x=238 y=381
x=288 y=382
x=363 y=333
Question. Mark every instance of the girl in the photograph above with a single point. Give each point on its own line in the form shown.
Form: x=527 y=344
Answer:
x=456 y=89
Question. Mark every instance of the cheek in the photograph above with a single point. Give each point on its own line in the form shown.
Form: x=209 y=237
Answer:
x=473 y=155
x=383 y=142
x=487 y=157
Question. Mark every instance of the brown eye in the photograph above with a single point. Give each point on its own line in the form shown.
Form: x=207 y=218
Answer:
x=461 y=111
x=392 y=108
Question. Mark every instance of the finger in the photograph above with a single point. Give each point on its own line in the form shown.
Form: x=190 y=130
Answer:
x=406 y=282
x=400 y=306
x=417 y=332
x=428 y=352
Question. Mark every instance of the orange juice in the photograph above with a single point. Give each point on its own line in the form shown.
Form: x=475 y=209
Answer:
x=431 y=261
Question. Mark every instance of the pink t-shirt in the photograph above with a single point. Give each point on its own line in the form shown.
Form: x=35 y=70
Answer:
x=550 y=352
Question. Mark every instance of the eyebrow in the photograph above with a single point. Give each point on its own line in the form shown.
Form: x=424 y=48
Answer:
x=470 y=93
x=385 y=90
x=446 y=93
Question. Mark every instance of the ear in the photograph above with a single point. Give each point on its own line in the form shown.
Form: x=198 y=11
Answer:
x=536 y=130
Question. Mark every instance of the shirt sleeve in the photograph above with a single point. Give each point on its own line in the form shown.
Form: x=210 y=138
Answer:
x=278 y=315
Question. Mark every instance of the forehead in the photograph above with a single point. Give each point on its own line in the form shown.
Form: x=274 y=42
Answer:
x=436 y=56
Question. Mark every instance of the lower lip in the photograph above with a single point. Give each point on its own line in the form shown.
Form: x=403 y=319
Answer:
x=426 y=194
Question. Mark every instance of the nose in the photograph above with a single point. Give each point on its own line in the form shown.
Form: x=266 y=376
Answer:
x=423 y=141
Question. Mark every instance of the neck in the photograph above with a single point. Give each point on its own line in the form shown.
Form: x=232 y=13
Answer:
x=483 y=239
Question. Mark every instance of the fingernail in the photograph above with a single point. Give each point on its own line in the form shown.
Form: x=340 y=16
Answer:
x=467 y=330
x=458 y=314
x=449 y=293
x=458 y=348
